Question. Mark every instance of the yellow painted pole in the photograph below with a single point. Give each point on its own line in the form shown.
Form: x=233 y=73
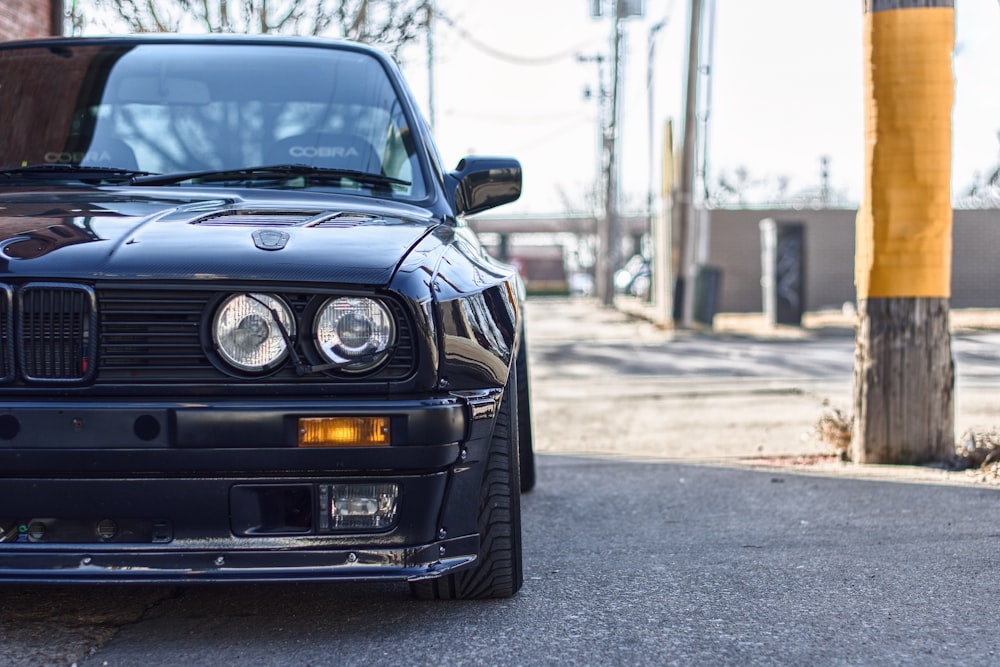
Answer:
x=904 y=224
x=904 y=371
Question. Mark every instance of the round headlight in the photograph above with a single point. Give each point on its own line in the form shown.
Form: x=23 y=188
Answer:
x=247 y=334
x=354 y=332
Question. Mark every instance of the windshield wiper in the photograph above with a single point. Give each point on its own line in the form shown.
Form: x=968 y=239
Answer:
x=74 y=171
x=282 y=172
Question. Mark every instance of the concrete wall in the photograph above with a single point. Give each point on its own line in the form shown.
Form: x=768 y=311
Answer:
x=975 y=273
x=734 y=247
x=21 y=19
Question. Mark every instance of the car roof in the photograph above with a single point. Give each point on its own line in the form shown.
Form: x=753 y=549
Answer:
x=207 y=38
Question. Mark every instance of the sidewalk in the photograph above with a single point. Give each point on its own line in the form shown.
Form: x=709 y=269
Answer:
x=813 y=323
x=608 y=383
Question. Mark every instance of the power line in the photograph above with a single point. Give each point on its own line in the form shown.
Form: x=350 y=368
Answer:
x=512 y=58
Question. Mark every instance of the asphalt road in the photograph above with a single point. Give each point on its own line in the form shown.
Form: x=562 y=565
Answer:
x=626 y=563
x=637 y=550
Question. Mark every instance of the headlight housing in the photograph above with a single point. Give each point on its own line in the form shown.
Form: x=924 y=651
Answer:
x=246 y=331
x=355 y=333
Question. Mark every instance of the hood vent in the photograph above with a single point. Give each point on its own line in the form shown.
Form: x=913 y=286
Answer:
x=251 y=218
x=256 y=218
x=344 y=219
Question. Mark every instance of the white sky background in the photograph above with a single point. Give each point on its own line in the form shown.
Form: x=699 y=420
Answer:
x=786 y=89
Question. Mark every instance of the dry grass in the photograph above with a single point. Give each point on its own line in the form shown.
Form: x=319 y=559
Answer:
x=979 y=449
x=834 y=428
x=976 y=449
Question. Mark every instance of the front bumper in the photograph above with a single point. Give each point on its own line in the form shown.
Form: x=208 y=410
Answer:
x=181 y=511
x=238 y=565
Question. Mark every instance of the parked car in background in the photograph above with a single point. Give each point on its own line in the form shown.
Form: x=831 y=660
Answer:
x=245 y=331
x=635 y=278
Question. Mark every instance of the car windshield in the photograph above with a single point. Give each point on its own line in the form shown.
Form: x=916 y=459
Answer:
x=166 y=108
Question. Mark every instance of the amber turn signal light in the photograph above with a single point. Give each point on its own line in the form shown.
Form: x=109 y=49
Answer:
x=344 y=432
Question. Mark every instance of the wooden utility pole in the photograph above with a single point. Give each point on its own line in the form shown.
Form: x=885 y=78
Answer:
x=904 y=371
x=609 y=235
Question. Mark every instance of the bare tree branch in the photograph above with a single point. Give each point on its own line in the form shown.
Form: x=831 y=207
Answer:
x=391 y=24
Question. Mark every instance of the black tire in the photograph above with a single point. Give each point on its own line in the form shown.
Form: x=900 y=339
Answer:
x=525 y=435
x=498 y=572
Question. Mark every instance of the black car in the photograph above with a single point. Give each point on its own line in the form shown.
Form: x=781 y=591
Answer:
x=245 y=331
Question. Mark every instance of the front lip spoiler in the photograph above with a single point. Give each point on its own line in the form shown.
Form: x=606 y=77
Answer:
x=76 y=566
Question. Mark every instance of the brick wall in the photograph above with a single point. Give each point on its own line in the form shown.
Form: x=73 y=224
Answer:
x=21 y=19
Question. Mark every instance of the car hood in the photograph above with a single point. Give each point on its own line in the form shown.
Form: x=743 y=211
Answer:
x=155 y=233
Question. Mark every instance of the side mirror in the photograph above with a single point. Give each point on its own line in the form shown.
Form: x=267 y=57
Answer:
x=480 y=183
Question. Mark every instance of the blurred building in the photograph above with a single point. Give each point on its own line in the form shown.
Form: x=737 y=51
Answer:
x=733 y=250
x=22 y=19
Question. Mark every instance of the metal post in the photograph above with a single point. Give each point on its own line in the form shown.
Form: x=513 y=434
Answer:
x=650 y=113
x=57 y=9
x=683 y=206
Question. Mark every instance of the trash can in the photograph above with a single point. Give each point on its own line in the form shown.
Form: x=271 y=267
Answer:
x=707 y=285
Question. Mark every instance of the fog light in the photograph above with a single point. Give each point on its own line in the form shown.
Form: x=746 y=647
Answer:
x=344 y=432
x=363 y=506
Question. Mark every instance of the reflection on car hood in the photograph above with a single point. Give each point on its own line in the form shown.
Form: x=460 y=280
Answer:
x=156 y=234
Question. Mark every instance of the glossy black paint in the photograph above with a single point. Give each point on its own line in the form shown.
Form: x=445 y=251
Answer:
x=130 y=234
x=165 y=459
x=481 y=183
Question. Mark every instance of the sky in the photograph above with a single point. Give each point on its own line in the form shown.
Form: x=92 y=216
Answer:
x=782 y=89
